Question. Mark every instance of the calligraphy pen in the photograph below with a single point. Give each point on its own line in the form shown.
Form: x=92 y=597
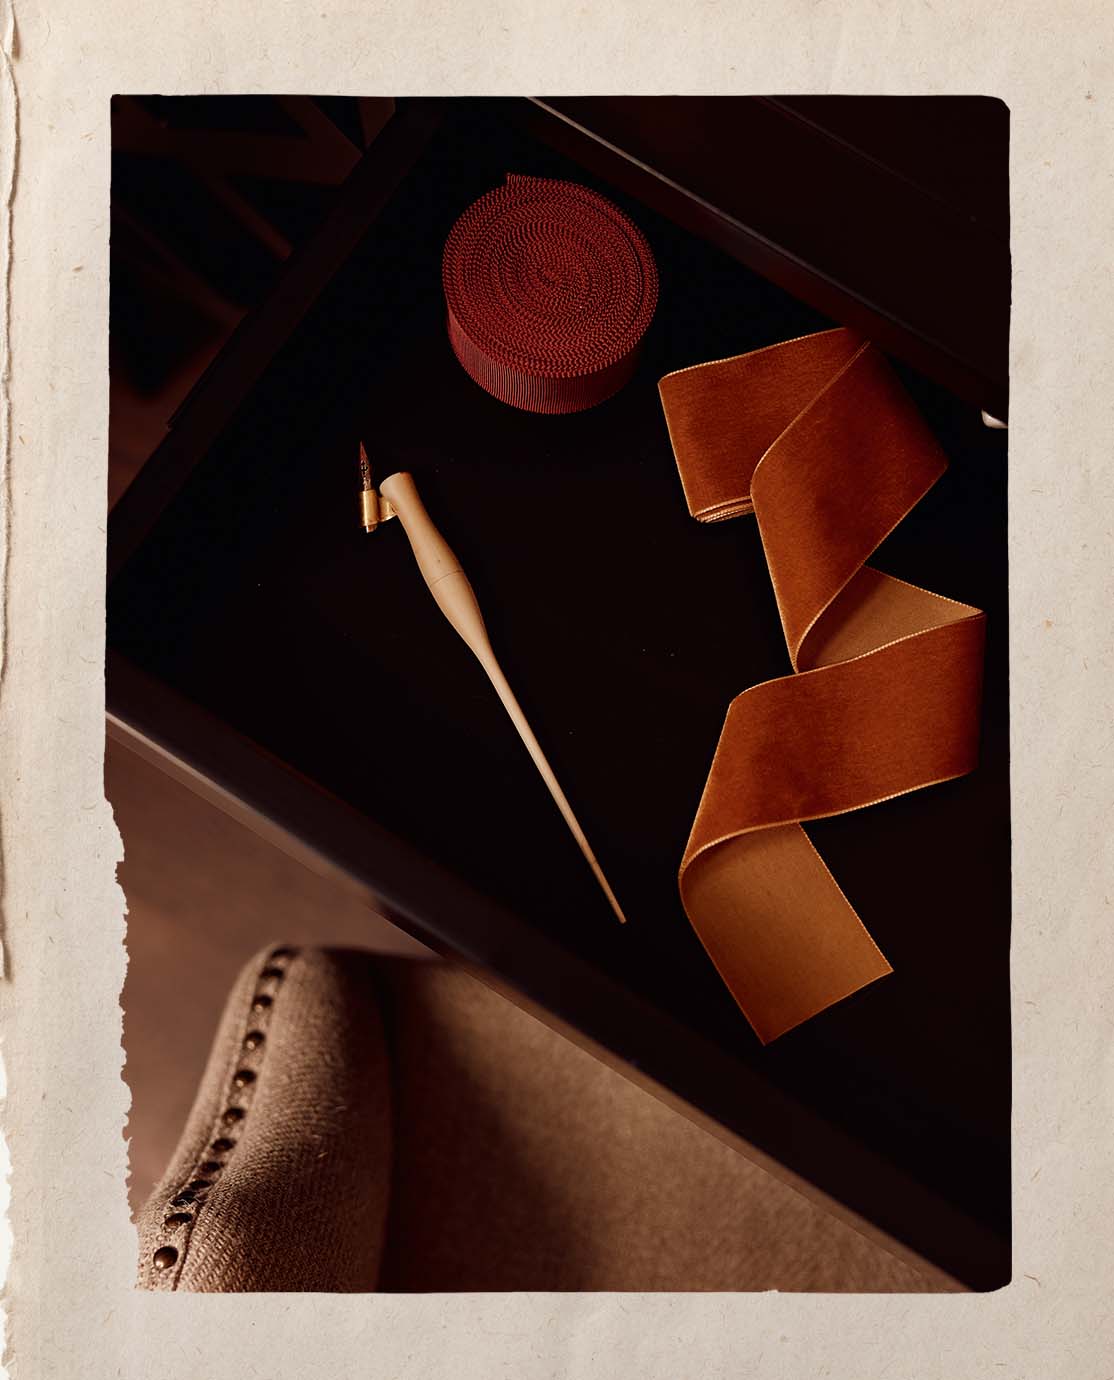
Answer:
x=397 y=496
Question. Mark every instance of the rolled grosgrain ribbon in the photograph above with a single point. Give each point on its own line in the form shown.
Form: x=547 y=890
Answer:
x=549 y=290
x=817 y=438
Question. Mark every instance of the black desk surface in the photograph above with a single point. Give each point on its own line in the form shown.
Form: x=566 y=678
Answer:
x=625 y=628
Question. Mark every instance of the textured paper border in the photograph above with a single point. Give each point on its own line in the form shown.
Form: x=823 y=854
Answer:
x=73 y=1311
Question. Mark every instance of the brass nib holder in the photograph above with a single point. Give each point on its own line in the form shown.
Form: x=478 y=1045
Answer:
x=374 y=508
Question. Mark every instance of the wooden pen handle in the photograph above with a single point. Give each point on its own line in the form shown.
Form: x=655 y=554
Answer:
x=451 y=588
x=436 y=560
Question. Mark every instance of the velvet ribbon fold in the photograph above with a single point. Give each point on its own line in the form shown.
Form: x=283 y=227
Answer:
x=817 y=438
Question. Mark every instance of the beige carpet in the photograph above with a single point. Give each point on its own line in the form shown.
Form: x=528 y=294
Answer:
x=568 y=1187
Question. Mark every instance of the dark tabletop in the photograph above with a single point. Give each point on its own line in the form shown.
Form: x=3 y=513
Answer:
x=625 y=628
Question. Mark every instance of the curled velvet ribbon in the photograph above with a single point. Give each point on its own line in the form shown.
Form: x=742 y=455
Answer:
x=549 y=289
x=817 y=438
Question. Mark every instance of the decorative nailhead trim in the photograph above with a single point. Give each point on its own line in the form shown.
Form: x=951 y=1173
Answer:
x=167 y=1259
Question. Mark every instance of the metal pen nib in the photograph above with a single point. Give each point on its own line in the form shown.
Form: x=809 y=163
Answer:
x=374 y=508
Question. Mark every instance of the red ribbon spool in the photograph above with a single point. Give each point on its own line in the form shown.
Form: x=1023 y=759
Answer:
x=549 y=290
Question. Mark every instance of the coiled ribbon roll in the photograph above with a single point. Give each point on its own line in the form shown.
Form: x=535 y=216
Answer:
x=817 y=438
x=549 y=290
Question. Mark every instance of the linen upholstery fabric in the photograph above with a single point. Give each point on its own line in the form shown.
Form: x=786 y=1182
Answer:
x=817 y=438
x=300 y=1199
x=549 y=289
x=522 y=1161
x=519 y=1161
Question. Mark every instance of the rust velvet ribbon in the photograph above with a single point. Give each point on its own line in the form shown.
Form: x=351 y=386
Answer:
x=817 y=438
x=549 y=289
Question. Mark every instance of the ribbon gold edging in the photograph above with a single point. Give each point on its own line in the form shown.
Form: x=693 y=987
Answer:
x=819 y=440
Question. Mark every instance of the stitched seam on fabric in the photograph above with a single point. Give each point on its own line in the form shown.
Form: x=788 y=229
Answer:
x=746 y=503
x=231 y=1096
x=975 y=616
x=752 y=354
x=968 y=614
x=920 y=589
x=742 y=833
x=859 y=354
x=850 y=907
x=794 y=654
x=743 y=1006
x=723 y=512
x=824 y=814
x=863 y=349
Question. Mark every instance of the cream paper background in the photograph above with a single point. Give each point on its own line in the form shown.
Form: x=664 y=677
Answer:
x=73 y=1312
